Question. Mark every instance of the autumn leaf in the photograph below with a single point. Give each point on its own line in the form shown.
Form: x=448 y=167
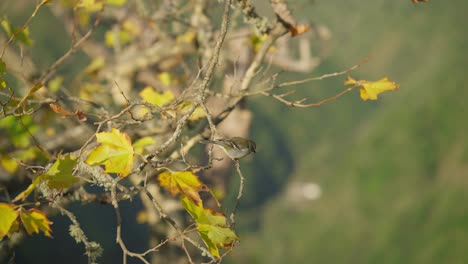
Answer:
x=370 y=90
x=34 y=221
x=20 y=34
x=115 y=152
x=24 y=194
x=59 y=110
x=181 y=182
x=59 y=176
x=212 y=226
x=139 y=145
x=8 y=216
x=299 y=29
x=419 y=1
x=149 y=95
x=165 y=78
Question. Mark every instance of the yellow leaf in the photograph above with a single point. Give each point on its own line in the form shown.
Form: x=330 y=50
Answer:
x=131 y=27
x=96 y=65
x=34 y=221
x=9 y=164
x=55 y=83
x=196 y=115
x=115 y=152
x=151 y=96
x=140 y=144
x=24 y=194
x=165 y=78
x=181 y=182
x=8 y=216
x=90 y=5
x=212 y=226
x=371 y=90
x=188 y=37
x=116 y=2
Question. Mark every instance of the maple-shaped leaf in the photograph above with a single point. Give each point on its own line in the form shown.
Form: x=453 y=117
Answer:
x=371 y=90
x=212 y=226
x=8 y=216
x=217 y=235
x=182 y=182
x=151 y=96
x=59 y=176
x=115 y=152
x=34 y=221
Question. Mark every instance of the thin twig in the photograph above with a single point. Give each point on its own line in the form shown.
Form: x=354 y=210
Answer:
x=239 y=194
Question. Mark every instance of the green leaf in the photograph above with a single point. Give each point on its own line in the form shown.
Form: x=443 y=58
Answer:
x=59 y=176
x=8 y=216
x=34 y=221
x=16 y=129
x=217 y=236
x=115 y=152
x=20 y=34
x=2 y=67
x=212 y=226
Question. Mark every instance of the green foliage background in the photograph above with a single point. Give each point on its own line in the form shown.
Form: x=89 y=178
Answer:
x=394 y=173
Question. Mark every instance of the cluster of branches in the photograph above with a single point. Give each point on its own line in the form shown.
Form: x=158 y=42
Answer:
x=177 y=48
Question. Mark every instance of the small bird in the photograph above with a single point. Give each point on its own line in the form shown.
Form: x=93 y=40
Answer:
x=236 y=148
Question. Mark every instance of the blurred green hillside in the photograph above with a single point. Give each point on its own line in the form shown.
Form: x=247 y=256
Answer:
x=393 y=173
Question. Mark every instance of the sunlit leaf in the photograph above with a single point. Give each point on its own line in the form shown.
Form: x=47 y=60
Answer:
x=181 y=182
x=212 y=226
x=96 y=65
x=151 y=96
x=116 y=2
x=115 y=152
x=188 y=37
x=24 y=194
x=20 y=34
x=34 y=221
x=196 y=115
x=18 y=128
x=59 y=176
x=90 y=5
x=9 y=164
x=55 y=84
x=370 y=90
x=140 y=144
x=165 y=78
x=8 y=216
x=299 y=29
x=218 y=235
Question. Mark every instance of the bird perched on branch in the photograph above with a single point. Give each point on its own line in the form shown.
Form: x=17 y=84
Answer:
x=236 y=148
